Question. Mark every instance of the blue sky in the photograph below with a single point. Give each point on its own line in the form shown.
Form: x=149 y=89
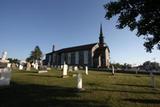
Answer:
x=64 y=23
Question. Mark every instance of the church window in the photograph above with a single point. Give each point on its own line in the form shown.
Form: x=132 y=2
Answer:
x=69 y=58
x=76 y=57
x=85 y=57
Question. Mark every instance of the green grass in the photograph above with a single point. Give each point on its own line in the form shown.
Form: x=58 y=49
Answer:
x=30 y=89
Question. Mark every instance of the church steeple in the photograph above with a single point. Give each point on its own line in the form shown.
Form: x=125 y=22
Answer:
x=101 y=38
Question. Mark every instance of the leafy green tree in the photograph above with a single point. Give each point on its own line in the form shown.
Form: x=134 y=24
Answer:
x=140 y=15
x=117 y=65
x=29 y=59
x=148 y=65
x=127 y=66
x=13 y=60
x=36 y=54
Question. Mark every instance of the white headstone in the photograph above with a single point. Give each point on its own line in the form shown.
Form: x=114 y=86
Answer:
x=9 y=65
x=86 y=70
x=5 y=76
x=33 y=65
x=79 y=81
x=65 y=68
x=61 y=67
x=36 y=65
x=20 y=67
x=75 y=68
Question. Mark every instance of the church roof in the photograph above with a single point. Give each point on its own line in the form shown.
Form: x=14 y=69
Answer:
x=77 y=48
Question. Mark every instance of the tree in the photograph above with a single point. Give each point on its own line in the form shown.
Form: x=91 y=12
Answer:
x=140 y=15
x=127 y=66
x=117 y=65
x=151 y=65
x=13 y=60
x=36 y=54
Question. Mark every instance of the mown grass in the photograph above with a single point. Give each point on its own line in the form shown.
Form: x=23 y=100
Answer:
x=30 y=89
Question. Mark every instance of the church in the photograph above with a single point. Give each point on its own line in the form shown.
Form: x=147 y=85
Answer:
x=93 y=55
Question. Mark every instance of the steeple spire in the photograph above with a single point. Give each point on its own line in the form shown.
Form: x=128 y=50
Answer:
x=101 y=38
x=101 y=32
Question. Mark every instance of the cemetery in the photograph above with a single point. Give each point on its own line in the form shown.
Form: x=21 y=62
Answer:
x=77 y=68
x=85 y=88
x=34 y=84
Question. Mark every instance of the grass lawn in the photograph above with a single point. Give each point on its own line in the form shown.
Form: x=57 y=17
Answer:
x=30 y=89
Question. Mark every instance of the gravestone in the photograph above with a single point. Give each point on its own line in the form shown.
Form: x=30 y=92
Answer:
x=5 y=72
x=65 y=68
x=42 y=71
x=14 y=66
x=42 y=68
x=20 y=67
x=33 y=65
x=75 y=68
x=86 y=72
x=61 y=67
x=28 y=68
x=48 y=68
x=137 y=70
x=3 y=65
x=70 y=68
x=9 y=65
x=112 y=70
x=36 y=65
x=5 y=76
x=79 y=82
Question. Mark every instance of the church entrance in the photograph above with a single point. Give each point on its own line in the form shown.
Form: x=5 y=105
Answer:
x=95 y=62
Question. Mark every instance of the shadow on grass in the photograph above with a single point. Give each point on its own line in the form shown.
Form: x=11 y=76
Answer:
x=30 y=95
x=145 y=101
x=133 y=85
x=24 y=71
x=93 y=84
x=38 y=75
x=126 y=91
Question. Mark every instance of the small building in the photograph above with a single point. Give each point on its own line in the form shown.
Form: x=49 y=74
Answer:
x=91 y=55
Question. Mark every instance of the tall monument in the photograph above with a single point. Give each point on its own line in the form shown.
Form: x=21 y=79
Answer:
x=4 y=57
